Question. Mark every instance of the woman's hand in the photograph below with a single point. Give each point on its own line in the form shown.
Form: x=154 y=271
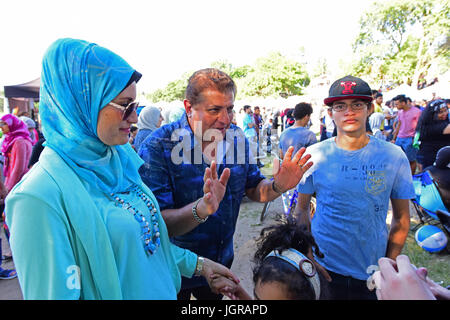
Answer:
x=229 y=288
x=211 y=268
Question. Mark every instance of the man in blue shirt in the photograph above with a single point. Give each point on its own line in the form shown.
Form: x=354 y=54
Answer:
x=354 y=176
x=199 y=169
x=298 y=135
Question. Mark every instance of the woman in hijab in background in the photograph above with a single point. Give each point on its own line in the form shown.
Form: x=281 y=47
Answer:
x=149 y=120
x=83 y=224
x=34 y=135
x=16 y=149
x=433 y=129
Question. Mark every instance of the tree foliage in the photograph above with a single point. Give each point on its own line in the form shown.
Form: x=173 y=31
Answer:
x=399 y=40
x=273 y=75
x=174 y=90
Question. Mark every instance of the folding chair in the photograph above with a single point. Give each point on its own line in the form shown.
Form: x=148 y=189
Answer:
x=428 y=199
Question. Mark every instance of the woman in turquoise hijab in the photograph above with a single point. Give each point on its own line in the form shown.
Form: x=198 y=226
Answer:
x=83 y=224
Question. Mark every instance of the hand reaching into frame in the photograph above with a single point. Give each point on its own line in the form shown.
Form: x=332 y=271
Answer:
x=399 y=280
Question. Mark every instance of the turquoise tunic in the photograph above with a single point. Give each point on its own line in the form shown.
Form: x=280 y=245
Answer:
x=71 y=241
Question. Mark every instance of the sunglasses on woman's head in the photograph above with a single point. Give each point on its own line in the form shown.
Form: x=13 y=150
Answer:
x=126 y=110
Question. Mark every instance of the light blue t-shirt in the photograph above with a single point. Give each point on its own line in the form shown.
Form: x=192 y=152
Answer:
x=353 y=189
x=54 y=262
x=249 y=132
x=297 y=137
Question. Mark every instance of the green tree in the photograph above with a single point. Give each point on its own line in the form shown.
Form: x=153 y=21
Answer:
x=174 y=90
x=274 y=75
x=398 y=40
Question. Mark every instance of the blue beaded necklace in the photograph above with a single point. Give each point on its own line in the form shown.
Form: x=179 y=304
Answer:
x=151 y=235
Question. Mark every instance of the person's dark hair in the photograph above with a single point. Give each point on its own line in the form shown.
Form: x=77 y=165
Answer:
x=246 y=107
x=400 y=97
x=374 y=92
x=428 y=117
x=302 y=110
x=378 y=94
x=135 y=77
x=280 y=237
x=209 y=78
x=133 y=128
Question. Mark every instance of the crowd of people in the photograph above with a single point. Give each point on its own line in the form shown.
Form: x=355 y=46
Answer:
x=125 y=206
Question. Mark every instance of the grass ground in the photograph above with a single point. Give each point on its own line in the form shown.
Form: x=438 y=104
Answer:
x=438 y=264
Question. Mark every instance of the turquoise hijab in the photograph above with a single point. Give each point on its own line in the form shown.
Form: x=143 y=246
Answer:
x=79 y=79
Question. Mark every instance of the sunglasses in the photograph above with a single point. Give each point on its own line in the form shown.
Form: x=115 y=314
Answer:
x=126 y=110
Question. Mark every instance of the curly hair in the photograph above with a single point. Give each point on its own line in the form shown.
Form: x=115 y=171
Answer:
x=302 y=110
x=280 y=237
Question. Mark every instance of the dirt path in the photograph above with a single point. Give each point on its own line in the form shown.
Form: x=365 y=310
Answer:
x=247 y=231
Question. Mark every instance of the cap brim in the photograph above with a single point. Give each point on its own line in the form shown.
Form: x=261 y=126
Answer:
x=330 y=100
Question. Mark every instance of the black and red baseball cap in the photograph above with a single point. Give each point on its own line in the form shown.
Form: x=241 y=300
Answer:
x=349 y=87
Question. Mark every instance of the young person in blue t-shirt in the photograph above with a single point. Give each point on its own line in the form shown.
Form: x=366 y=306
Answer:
x=298 y=135
x=354 y=177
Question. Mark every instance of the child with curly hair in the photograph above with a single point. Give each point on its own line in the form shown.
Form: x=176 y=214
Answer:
x=282 y=269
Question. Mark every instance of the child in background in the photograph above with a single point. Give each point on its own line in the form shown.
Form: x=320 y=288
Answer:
x=282 y=270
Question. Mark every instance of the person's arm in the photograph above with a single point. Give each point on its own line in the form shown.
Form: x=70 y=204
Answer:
x=434 y=130
x=402 y=191
x=19 y=162
x=303 y=215
x=156 y=175
x=446 y=130
x=302 y=210
x=228 y=288
x=188 y=262
x=211 y=269
x=399 y=227
x=181 y=221
x=396 y=130
x=43 y=255
x=286 y=178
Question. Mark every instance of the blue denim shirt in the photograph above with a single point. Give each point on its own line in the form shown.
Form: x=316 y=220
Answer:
x=174 y=168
